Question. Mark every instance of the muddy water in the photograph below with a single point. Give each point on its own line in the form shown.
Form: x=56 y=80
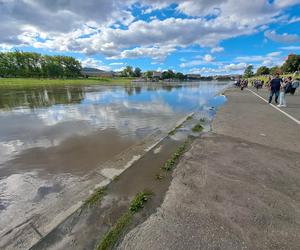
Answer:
x=56 y=144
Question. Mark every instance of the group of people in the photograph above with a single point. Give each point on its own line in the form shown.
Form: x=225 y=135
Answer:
x=242 y=83
x=280 y=87
x=258 y=84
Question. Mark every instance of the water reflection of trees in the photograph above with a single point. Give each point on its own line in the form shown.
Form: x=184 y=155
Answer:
x=40 y=97
x=133 y=90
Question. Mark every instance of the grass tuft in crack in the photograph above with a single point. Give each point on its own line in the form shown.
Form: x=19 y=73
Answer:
x=95 y=196
x=172 y=132
x=197 y=128
x=111 y=237
x=169 y=164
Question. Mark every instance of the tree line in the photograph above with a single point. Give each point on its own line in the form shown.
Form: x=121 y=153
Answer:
x=30 y=64
x=128 y=71
x=291 y=65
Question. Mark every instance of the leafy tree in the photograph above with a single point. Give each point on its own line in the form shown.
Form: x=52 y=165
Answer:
x=292 y=64
x=137 y=72
x=275 y=70
x=248 y=71
x=29 y=64
x=263 y=70
x=128 y=71
x=148 y=74
x=168 y=74
x=180 y=76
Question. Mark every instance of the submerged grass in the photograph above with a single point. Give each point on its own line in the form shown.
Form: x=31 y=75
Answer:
x=111 y=237
x=169 y=164
x=95 y=196
x=197 y=128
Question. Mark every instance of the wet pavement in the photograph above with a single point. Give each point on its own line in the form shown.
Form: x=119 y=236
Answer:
x=238 y=187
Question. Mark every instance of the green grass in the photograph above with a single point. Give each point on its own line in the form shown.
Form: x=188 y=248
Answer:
x=138 y=202
x=189 y=118
x=169 y=164
x=266 y=79
x=95 y=196
x=173 y=131
x=111 y=237
x=197 y=128
x=35 y=82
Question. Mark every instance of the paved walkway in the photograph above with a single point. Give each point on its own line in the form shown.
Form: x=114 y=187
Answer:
x=237 y=188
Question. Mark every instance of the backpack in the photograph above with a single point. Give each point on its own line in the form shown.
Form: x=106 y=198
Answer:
x=295 y=84
x=287 y=88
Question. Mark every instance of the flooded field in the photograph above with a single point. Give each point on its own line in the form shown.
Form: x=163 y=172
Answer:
x=57 y=144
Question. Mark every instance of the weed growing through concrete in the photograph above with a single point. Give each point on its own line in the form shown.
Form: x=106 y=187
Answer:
x=197 y=128
x=116 y=178
x=189 y=118
x=169 y=164
x=138 y=201
x=95 y=196
x=202 y=120
x=112 y=236
x=172 y=132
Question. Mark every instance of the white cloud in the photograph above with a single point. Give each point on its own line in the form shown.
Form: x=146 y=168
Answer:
x=270 y=59
x=93 y=63
x=235 y=67
x=232 y=68
x=282 y=38
x=208 y=58
x=116 y=63
x=86 y=26
x=294 y=20
x=156 y=53
x=286 y=3
x=203 y=60
x=291 y=48
x=217 y=49
x=191 y=63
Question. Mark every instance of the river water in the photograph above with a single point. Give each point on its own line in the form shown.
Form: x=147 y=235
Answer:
x=57 y=143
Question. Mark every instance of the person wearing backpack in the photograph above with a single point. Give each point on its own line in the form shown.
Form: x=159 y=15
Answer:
x=295 y=84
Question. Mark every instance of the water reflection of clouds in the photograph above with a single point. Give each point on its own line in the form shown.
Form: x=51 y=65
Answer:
x=114 y=108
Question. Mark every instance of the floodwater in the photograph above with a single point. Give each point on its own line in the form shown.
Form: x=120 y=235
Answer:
x=56 y=144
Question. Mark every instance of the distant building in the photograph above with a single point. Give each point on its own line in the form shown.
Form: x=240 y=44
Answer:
x=156 y=75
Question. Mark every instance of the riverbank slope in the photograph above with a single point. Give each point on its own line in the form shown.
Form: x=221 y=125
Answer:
x=37 y=82
x=236 y=188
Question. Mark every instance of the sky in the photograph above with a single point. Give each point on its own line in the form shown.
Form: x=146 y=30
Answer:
x=207 y=37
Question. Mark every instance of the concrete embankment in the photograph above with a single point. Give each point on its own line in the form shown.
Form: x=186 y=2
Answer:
x=238 y=187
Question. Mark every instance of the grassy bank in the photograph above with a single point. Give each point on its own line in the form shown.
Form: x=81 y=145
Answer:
x=35 y=82
x=266 y=78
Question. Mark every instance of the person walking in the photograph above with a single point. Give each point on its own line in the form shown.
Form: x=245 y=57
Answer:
x=283 y=91
x=275 y=84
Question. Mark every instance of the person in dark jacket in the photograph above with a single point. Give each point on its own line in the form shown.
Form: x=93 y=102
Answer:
x=275 y=84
